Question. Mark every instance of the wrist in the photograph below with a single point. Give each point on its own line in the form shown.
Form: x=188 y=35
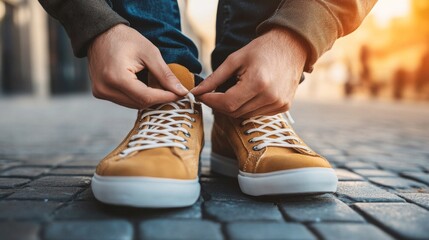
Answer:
x=104 y=35
x=290 y=41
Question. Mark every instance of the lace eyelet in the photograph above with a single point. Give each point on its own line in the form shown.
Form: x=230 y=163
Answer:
x=185 y=148
x=187 y=134
x=255 y=148
x=193 y=120
x=246 y=132
x=251 y=140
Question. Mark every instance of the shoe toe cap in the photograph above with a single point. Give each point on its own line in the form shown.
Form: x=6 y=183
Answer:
x=290 y=161
x=144 y=166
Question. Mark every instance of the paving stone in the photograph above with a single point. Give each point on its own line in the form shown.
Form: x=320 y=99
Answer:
x=374 y=173
x=96 y=210
x=235 y=211
x=86 y=195
x=45 y=160
x=12 y=182
x=6 y=164
x=396 y=183
x=421 y=199
x=223 y=190
x=338 y=160
x=26 y=209
x=85 y=210
x=371 y=157
x=192 y=212
x=359 y=165
x=46 y=193
x=82 y=171
x=365 y=192
x=5 y=192
x=61 y=181
x=94 y=230
x=179 y=229
x=82 y=163
x=19 y=230
x=421 y=177
x=24 y=172
x=349 y=231
x=404 y=220
x=267 y=230
x=399 y=167
x=319 y=209
x=345 y=175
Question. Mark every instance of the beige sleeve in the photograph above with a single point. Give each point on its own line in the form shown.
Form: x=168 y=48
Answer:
x=318 y=22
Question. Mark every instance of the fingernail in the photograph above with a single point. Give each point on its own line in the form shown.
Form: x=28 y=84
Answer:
x=181 y=88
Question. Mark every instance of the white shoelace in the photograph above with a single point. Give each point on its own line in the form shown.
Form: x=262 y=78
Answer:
x=273 y=132
x=162 y=128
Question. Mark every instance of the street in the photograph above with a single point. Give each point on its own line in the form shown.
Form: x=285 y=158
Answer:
x=49 y=150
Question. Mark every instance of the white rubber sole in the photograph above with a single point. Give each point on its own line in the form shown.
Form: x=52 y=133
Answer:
x=314 y=180
x=145 y=192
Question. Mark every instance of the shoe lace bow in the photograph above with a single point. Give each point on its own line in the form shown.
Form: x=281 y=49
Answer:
x=162 y=125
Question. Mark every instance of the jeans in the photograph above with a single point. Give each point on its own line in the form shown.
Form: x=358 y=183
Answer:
x=159 y=21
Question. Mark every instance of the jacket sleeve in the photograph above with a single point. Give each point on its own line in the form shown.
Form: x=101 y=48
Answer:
x=83 y=20
x=318 y=22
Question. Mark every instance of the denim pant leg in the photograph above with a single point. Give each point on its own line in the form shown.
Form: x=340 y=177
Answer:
x=236 y=24
x=159 y=21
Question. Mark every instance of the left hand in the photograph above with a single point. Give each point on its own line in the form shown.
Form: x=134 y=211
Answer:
x=268 y=68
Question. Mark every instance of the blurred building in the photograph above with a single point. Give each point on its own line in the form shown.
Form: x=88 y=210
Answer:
x=36 y=56
x=386 y=57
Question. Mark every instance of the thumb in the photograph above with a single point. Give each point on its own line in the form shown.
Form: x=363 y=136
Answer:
x=165 y=76
x=226 y=70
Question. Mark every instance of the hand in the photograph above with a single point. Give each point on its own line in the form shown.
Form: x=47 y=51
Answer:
x=268 y=70
x=114 y=59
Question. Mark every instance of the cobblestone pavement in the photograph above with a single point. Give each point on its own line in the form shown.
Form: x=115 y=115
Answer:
x=48 y=152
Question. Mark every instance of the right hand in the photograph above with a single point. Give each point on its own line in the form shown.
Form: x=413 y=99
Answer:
x=116 y=56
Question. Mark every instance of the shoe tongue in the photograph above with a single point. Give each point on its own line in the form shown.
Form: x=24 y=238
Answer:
x=182 y=73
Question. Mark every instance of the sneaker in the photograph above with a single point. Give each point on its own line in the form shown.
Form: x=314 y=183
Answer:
x=268 y=157
x=157 y=164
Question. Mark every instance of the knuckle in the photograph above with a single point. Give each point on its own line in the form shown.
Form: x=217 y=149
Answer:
x=97 y=93
x=235 y=115
x=231 y=107
x=272 y=98
x=145 y=102
x=107 y=74
x=168 y=75
x=262 y=83
x=285 y=107
x=154 y=52
x=232 y=58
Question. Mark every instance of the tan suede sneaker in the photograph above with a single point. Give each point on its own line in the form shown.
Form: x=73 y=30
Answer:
x=157 y=163
x=268 y=157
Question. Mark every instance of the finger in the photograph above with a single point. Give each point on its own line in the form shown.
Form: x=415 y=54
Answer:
x=259 y=102
x=144 y=95
x=267 y=111
x=113 y=95
x=225 y=71
x=123 y=100
x=164 y=75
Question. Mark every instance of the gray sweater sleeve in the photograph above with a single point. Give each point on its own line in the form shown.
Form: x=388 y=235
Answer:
x=83 y=20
